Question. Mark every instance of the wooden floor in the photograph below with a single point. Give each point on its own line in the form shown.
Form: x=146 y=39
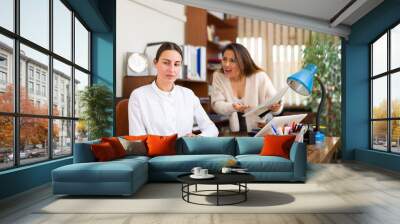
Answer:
x=379 y=189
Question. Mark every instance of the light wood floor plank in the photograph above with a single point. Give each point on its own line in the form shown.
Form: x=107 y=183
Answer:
x=377 y=191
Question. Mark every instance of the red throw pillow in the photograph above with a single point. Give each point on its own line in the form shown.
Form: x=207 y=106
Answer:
x=103 y=151
x=116 y=145
x=161 y=145
x=275 y=145
x=136 y=137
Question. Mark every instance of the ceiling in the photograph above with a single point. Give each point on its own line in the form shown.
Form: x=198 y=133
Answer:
x=327 y=16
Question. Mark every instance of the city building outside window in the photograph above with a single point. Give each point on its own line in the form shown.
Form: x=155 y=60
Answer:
x=3 y=71
x=3 y=78
x=30 y=87
x=30 y=72
x=35 y=53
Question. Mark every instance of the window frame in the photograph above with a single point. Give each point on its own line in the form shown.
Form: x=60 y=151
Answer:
x=16 y=114
x=388 y=74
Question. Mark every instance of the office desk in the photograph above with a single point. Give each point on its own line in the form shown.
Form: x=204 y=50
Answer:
x=323 y=153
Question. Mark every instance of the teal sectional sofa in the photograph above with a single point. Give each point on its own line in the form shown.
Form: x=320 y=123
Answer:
x=125 y=176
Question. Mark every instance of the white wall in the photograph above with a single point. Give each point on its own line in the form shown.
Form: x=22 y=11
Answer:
x=142 y=21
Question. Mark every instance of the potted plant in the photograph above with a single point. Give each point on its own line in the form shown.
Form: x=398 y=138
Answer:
x=324 y=52
x=96 y=102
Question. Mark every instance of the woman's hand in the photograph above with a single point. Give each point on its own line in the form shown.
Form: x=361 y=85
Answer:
x=275 y=107
x=240 y=107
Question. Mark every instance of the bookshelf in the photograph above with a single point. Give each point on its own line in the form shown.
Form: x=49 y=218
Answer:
x=197 y=32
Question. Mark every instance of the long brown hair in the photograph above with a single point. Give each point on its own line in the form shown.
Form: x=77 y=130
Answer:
x=245 y=62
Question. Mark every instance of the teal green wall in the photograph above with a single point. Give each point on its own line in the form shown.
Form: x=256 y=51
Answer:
x=356 y=99
x=24 y=178
x=102 y=62
x=99 y=16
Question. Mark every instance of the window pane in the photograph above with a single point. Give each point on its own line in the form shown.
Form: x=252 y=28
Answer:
x=6 y=74
x=6 y=142
x=379 y=55
x=7 y=14
x=62 y=89
x=81 y=131
x=62 y=29
x=35 y=21
x=395 y=94
x=81 y=45
x=395 y=47
x=395 y=136
x=81 y=81
x=33 y=139
x=379 y=97
x=379 y=135
x=34 y=72
x=62 y=138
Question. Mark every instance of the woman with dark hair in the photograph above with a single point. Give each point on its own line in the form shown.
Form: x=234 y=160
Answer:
x=163 y=108
x=239 y=86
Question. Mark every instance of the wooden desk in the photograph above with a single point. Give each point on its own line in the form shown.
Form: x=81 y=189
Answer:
x=323 y=153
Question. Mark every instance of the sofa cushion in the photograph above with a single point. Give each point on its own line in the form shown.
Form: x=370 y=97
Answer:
x=249 y=145
x=257 y=163
x=118 y=171
x=83 y=152
x=132 y=158
x=185 y=163
x=103 y=152
x=135 y=147
x=206 y=145
x=275 y=145
x=135 y=137
x=161 y=145
x=116 y=145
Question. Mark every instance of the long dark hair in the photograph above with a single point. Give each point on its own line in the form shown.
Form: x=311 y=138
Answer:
x=168 y=46
x=245 y=62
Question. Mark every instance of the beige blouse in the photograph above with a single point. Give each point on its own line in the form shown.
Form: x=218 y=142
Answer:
x=258 y=90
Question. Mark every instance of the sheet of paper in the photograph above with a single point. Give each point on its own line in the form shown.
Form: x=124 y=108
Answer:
x=280 y=122
x=264 y=107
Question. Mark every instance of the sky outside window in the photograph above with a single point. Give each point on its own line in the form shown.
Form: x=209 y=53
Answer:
x=395 y=47
x=7 y=14
x=379 y=56
x=35 y=27
x=62 y=29
x=81 y=45
x=35 y=21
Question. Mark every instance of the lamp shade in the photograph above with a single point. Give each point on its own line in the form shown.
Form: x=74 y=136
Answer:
x=302 y=81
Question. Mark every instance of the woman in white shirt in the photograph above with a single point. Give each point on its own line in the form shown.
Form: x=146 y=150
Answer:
x=163 y=108
x=239 y=86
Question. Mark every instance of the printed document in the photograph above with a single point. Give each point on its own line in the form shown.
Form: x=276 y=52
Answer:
x=264 y=107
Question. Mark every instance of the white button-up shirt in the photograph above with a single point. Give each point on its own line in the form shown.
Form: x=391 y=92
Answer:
x=153 y=111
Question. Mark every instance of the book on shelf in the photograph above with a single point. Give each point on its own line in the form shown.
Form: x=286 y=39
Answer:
x=194 y=61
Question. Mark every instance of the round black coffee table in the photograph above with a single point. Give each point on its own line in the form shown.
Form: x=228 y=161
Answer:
x=238 y=179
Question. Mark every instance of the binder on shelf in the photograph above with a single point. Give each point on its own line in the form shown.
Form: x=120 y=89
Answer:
x=194 y=62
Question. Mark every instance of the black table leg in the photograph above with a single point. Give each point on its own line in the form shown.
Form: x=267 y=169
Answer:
x=245 y=193
x=217 y=194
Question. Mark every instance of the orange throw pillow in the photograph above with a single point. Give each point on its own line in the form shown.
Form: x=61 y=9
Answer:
x=136 y=137
x=161 y=145
x=116 y=145
x=275 y=145
x=103 y=152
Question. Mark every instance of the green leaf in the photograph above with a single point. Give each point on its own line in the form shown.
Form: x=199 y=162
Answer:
x=96 y=102
x=324 y=52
